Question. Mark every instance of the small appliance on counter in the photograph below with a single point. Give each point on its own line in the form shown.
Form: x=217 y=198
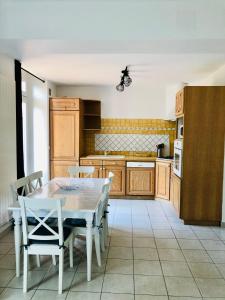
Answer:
x=160 y=148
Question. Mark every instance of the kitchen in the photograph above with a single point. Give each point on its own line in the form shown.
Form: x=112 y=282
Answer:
x=133 y=95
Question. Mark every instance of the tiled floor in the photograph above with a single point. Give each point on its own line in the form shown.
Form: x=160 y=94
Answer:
x=151 y=256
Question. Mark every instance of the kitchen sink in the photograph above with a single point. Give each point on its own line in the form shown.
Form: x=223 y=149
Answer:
x=106 y=156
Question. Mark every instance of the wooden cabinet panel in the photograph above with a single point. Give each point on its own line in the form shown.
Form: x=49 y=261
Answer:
x=64 y=137
x=180 y=103
x=118 y=183
x=175 y=186
x=140 y=181
x=91 y=162
x=121 y=163
x=163 y=180
x=64 y=104
x=60 y=168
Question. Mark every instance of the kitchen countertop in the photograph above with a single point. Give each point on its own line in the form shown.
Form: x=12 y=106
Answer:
x=170 y=160
x=126 y=158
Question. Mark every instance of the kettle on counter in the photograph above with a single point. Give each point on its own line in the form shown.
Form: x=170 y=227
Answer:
x=159 y=148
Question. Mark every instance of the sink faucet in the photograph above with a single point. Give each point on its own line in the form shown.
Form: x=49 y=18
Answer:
x=105 y=152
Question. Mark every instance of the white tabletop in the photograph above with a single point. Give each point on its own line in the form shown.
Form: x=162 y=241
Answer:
x=84 y=198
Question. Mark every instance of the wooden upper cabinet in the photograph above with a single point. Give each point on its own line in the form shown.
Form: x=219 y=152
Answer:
x=64 y=104
x=180 y=103
x=163 y=180
x=64 y=137
x=60 y=168
x=140 y=181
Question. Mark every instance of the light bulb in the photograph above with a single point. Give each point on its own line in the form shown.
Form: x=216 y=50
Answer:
x=120 y=87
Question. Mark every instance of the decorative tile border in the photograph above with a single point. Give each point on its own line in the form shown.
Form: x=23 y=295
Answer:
x=130 y=142
x=136 y=128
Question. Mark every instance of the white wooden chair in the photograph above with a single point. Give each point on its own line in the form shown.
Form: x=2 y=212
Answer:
x=20 y=187
x=79 y=225
x=75 y=171
x=105 y=214
x=43 y=239
x=35 y=181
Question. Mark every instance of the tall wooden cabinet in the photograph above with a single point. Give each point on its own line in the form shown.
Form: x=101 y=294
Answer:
x=66 y=129
x=175 y=185
x=203 y=110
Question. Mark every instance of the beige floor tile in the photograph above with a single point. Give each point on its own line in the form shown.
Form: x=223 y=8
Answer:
x=80 y=283
x=175 y=269
x=120 y=252
x=211 y=287
x=121 y=242
x=6 y=276
x=167 y=243
x=197 y=256
x=34 y=279
x=149 y=297
x=49 y=295
x=163 y=233
x=145 y=253
x=16 y=294
x=213 y=245
x=121 y=232
x=171 y=255
x=122 y=284
x=119 y=266
x=217 y=256
x=190 y=244
x=183 y=287
x=110 y=296
x=206 y=235
x=204 y=270
x=184 y=298
x=5 y=248
x=144 y=242
x=185 y=234
x=50 y=281
x=83 y=295
x=147 y=267
x=153 y=285
x=221 y=268
x=94 y=266
x=8 y=262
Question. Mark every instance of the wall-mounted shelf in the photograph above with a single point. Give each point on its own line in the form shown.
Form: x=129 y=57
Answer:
x=92 y=115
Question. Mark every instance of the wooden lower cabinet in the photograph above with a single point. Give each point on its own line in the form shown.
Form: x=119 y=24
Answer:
x=140 y=181
x=118 y=183
x=162 y=186
x=175 y=187
x=60 y=168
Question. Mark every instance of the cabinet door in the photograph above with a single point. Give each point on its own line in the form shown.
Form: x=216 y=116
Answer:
x=163 y=180
x=60 y=168
x=180 y=103
x=97 y=173
x=64 y=104
x=118 y=183
x=64 y=135
x=140 y=181
x=175 y=185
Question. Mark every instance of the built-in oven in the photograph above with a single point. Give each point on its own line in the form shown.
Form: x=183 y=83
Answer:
x=178 y=151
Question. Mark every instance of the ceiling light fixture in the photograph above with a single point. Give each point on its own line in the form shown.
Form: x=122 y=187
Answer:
x=125 y=80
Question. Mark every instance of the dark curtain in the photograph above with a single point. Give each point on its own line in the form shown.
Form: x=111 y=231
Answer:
x=19 y=121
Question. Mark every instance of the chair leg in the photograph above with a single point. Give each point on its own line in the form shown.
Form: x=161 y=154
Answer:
x=61 y=263
x=38 y=261
x=97 y=247
x=102 y=240
x=53 y=260
x=71 y=252
x=106 y=230
x=25 y=270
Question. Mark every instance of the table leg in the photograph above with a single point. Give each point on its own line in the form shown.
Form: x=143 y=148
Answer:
x=89 y=247
x=17 y=237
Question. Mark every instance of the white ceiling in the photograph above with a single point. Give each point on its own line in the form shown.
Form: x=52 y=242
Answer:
x=90 y=42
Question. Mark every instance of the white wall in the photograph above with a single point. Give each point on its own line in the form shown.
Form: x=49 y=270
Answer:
x=7 y=134
x=135 y=102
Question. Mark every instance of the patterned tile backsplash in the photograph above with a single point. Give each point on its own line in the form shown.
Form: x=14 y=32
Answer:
x=130 y=142
x=130 y=136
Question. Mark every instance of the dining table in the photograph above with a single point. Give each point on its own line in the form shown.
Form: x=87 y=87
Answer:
x=81 y=195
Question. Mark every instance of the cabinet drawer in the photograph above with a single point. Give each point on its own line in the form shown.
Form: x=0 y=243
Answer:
x=64 y=104
x=120 y=163
x=90 y=162
x=134 y=164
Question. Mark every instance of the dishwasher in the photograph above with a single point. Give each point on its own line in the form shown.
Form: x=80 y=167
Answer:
x=140 y=178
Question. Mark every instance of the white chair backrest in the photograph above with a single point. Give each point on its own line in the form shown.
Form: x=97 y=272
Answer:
x=20 y=188
x=109 y=180
x=101 y=206
x=35 y=181
x=30 y=207
x=75 y=171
